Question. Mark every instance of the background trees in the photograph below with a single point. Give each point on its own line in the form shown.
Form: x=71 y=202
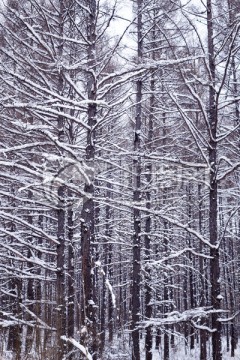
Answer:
x=119 y=169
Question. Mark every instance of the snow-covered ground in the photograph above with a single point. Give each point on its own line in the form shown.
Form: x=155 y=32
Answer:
x=179 y=352
x=121 y=351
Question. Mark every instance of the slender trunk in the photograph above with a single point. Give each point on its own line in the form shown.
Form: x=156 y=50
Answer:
x=88 y=252
x=191 y=276
x=109 y=254
x=232 y=11
x=70 y=282
x=30 y=290
x=171 y=308
x=203 y=338
x=232 y=281
x=136 y=276
x=103 y=313
x=60 y=284
x=148 y=225
x=110 y=302
x=88 y=247
x=38 y=297
x=233 y=332
x=213 y=195
x=15 y=331
x=30 y=298
x=185 y=304
x=166 y=348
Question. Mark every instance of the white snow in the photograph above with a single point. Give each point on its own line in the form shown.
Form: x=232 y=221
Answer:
x=82 y=348
x=111 y=292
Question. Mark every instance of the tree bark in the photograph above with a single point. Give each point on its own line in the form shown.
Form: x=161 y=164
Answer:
x=213 y=194
x=136 y=271
x=148 y=224
x=71 y=283
x=88 y=248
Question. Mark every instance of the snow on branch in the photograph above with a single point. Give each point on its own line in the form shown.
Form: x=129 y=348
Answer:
x=36 y=230
x=224 y=320
x=82 y=348
x=151 y=65
x=188 y=315
x=14 y=320
x=107 y=282
x=176 y=255
x=111 y=292
x=38 y=320
x=202 y=327
x=170 y=220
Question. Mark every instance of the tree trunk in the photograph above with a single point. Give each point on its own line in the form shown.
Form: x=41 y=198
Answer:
x=148 y=224
x=70 y=282
x=15 y=331
x=203 y=300
x=30 y=291
x=213 y=195
x=88 y=247
x=60 y=287
x=61 y=234
x=136 y=275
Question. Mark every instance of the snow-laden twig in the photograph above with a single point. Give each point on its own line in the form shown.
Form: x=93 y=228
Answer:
x=178 y=317
x=14 y=320
x=176 y=255
x=111 y=292
x=230 y=318
x=82 y=348
x=202 y=327
x=38 y=320
x=107 y=282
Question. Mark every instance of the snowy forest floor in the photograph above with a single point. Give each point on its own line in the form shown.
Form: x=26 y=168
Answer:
x=179 y=352
x=121 y=351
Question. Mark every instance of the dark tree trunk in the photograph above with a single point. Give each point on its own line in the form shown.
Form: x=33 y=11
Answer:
x=136 y=275
x=61 y=234
x=30 y=298
x=38 y=308
x=15 y=332
x=110 y=302
x=88 y=252
x=203 y=300
x=88 y=247
x=213 y=195
x=148 y=224
x=103 y=315
x=70 y=282
x=30 y=290
x=191 y=260
x=166 y=348
x=60 y=286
